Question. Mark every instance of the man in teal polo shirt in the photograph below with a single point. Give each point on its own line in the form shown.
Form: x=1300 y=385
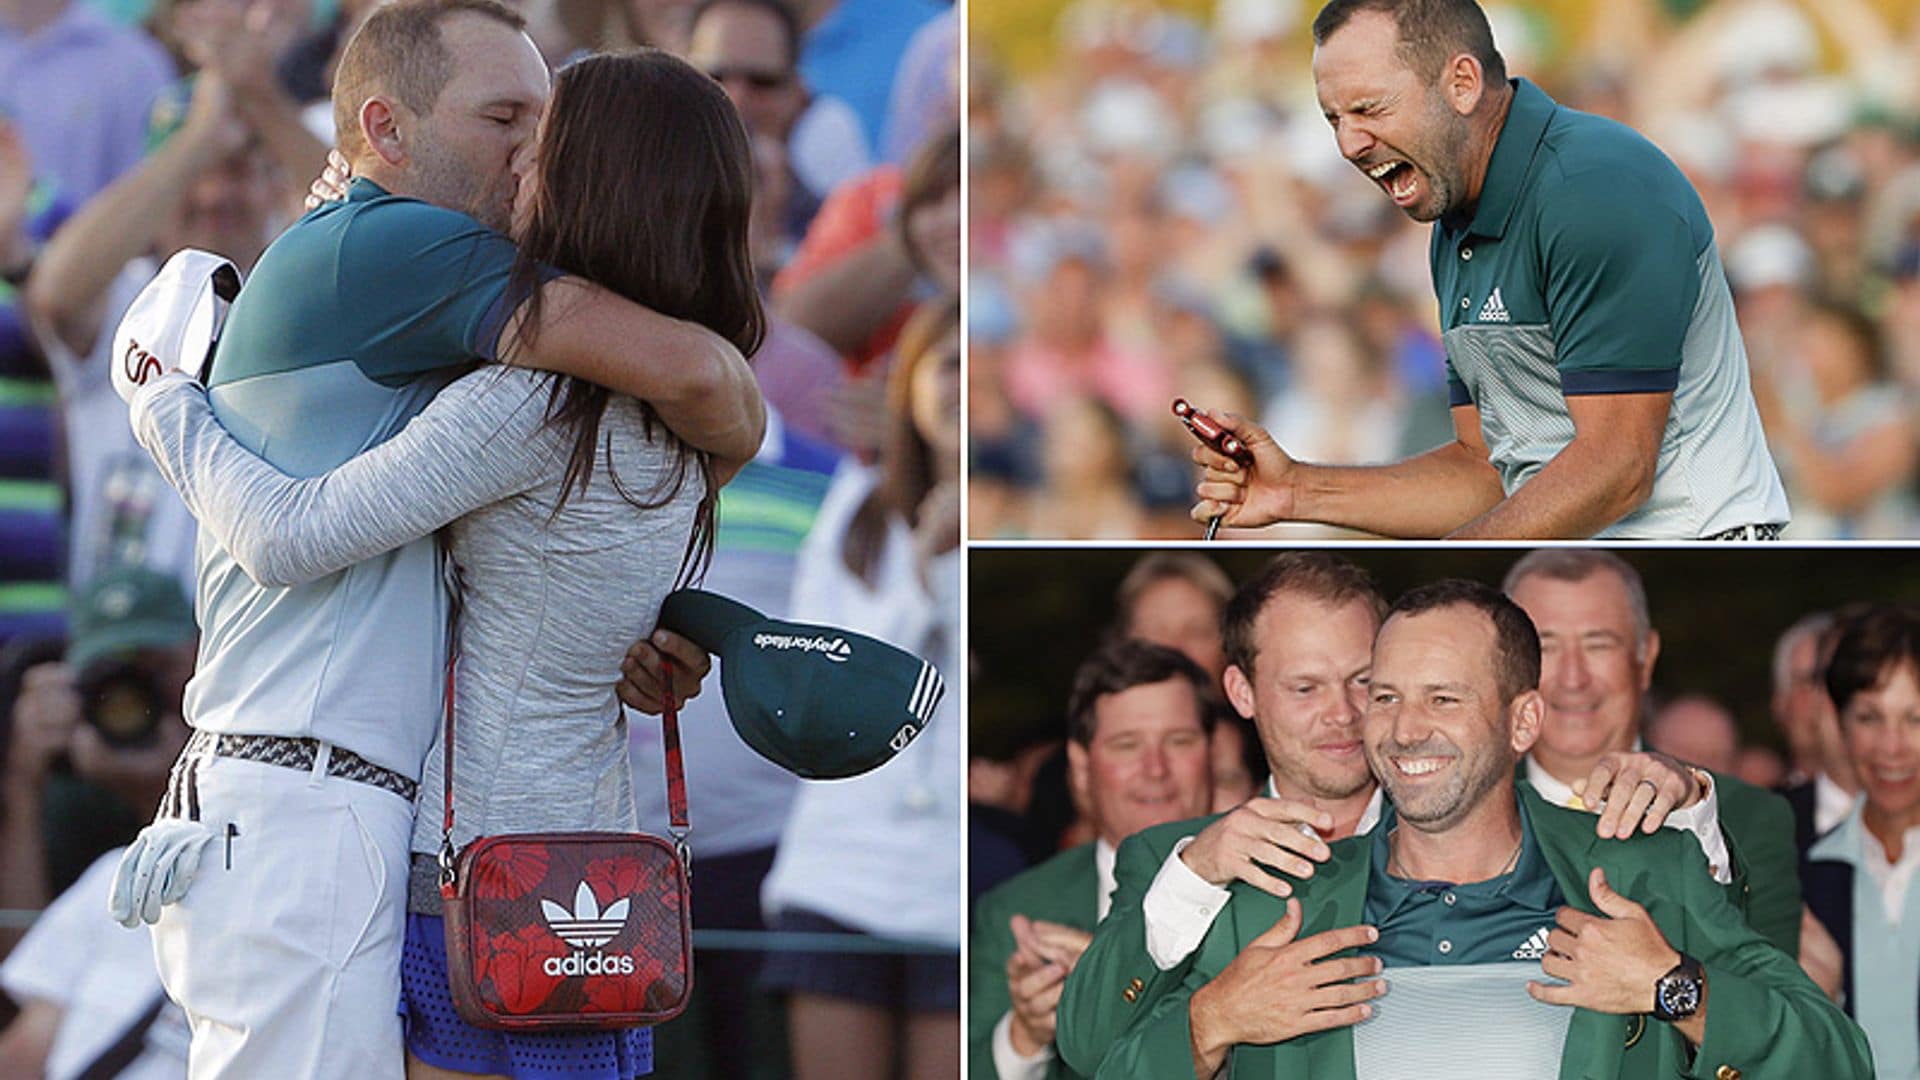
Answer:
x=314 y=706
x=1598 y=380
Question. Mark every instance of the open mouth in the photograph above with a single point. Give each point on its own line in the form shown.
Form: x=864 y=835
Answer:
x=1400 y=180
x=1419 y=766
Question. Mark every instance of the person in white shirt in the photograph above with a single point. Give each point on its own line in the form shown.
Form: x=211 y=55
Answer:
x=1859 y=877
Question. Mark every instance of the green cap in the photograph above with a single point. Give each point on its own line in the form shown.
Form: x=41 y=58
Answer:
x=818 y=701
x=127 y=609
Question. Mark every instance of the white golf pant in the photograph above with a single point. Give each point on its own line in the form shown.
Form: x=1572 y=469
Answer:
x=285 y=952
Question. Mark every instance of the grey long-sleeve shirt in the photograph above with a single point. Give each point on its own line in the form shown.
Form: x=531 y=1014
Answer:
x=551 y=601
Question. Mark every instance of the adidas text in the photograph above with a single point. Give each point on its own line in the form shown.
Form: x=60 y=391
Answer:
x=1495 y=310
x=588 y=964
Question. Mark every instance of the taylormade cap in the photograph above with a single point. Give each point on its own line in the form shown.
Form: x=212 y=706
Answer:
x=818 y=701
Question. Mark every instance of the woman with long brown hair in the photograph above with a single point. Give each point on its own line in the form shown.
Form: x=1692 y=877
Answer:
x=571 y=510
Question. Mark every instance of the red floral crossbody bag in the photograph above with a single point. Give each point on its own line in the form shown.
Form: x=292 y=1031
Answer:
x=582 y=930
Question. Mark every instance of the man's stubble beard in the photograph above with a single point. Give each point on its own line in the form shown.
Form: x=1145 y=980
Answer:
x=1441 y=161
x=446 y=181
x=1439 y=810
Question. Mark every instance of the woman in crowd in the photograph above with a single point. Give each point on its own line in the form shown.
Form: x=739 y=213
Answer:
x=1857 y=878
x=874 y=855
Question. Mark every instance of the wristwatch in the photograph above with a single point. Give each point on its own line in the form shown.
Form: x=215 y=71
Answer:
x=1678 y=993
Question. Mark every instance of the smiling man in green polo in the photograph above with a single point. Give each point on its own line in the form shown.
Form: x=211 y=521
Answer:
x=1598 y=380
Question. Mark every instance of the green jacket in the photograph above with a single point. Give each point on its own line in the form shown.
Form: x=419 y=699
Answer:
x=1064 y=889
x=1095 y=1010
x=1096 y=1005
x=1765 y=1018
x=1758 y=826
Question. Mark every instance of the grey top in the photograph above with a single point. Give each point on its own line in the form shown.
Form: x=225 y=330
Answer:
x=551 y=600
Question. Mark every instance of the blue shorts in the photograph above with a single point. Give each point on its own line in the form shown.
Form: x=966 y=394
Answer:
x=436 y=1034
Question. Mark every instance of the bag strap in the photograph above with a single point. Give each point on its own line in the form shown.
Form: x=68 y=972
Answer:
x=676 y=771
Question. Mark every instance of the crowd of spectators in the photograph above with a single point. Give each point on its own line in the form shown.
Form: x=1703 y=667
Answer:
x=1159 y=210
x=132 y=129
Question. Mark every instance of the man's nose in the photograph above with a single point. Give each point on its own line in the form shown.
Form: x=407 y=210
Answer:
x=1570 y=669
x=1154 y=761
x=1354 y=140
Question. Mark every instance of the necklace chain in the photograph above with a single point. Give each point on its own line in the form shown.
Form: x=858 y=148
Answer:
x=1399 y=869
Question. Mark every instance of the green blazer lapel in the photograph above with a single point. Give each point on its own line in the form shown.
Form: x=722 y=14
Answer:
x=1335 y=896
x=1596 y=1042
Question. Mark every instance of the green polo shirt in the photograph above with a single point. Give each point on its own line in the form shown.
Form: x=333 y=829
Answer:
x=1435 y=923
x=1588 y=266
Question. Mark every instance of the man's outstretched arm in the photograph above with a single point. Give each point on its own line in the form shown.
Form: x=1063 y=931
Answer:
x=1428 y=495
x=696 y=380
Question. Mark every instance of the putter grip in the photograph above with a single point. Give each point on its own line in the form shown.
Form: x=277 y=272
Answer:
x=1210 y=433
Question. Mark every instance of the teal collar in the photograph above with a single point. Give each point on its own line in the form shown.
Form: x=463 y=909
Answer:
x=1529 y=882
x=361 y=189
x=1526 y=124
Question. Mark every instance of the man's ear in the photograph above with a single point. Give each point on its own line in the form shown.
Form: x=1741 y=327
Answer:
x=1649 y=655
x=1239 y=690
x=1077 y=771
x=1524 y=717
x=380 y=127
x=1463 y=83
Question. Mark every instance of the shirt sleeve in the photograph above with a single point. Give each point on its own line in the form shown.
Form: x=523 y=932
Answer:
x=1011 y=1064
x=1702 y=819
x=430 y=283
x=481 y=440
x=1179 y=907
x=1622 y=278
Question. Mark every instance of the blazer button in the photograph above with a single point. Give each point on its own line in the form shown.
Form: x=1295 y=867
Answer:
x=1130 y=994
x=1726 y=1072
x=1137 y=985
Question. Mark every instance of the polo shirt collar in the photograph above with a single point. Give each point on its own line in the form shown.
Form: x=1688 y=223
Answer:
x=360 y=189
x=1530 y=881
x=1513 y=154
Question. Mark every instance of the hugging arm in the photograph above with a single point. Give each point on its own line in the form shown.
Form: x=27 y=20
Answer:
x=696 y=381
x=476 y=444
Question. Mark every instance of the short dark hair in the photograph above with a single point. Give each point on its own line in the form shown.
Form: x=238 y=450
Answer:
x=1432 y=32
x=398 y=50
x=1869 y=646
x=1123 y=664
x=779 y=9
x=1315 y=575
x=1516 y=661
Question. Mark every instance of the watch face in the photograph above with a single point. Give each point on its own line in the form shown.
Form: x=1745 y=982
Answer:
x=1679 y=996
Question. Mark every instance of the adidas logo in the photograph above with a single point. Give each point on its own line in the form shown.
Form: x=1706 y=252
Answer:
x=927 y=691
x=1494 y=310
x=586 y=927
x=1534 y=947
x=834 y=649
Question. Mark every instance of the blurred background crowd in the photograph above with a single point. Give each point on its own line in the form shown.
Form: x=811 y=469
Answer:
x=1158 y=210
x=130 y=129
